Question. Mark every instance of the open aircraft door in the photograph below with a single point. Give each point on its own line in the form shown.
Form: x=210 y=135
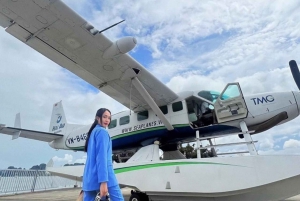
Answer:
x=230 y=105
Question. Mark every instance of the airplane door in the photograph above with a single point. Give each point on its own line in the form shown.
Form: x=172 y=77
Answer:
x=230 y=105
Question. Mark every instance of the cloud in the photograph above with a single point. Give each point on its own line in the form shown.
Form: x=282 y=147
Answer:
x=81 y=160
x=291 y=151
x=212 y=36
x=266 y=144
x=68 y=158
x=291 y=143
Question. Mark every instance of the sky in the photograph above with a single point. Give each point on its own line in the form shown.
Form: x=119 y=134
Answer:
x=188 y=45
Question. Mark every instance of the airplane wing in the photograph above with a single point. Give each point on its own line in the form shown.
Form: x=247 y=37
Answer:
x=30 y=134
x=54 y=30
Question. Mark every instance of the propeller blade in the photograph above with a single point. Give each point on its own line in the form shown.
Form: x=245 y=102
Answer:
x=295 y=72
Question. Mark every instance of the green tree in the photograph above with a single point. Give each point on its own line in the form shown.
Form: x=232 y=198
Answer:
x=191 y=152
x=75 y=164
x=35 y=167
x=42 y=166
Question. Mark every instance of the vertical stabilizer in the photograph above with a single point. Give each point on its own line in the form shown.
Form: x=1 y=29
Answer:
x=58 y=121
x=50 y=163
x=18 y=121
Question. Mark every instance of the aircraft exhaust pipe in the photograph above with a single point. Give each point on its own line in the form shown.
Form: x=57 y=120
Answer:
x=295 y=72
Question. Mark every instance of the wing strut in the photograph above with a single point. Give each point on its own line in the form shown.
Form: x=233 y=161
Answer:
x=138 y=85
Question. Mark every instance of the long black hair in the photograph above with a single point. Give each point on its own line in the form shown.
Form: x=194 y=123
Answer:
x=99 y=114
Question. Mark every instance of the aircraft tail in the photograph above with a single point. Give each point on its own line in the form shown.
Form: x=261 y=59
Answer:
x=58 y=121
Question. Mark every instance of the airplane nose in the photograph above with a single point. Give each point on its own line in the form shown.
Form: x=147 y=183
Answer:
x=297 y=99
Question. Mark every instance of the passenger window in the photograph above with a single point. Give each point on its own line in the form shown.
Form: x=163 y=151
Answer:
x=164 y=109
x=124 y=120
x=112 y=124
x=177 y=106
x=142 y=115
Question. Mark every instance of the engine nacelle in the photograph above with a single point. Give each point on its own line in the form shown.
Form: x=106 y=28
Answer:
x=121 y=46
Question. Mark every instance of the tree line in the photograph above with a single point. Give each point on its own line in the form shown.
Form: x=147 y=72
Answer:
x=42 y=166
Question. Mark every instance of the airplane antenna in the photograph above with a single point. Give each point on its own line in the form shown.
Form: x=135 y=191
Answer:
x=111 y=26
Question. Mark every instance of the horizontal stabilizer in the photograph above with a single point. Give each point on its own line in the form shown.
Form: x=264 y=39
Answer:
x=69 y=172
x=30 y=134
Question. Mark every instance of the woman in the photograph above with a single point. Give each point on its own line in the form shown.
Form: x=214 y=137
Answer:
x=98 y=173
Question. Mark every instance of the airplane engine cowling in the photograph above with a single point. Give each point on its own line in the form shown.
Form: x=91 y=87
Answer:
x=121 y=46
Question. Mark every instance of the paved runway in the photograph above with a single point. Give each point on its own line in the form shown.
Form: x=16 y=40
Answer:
x=68 y=195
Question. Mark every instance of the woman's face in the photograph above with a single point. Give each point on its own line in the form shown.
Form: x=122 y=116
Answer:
x=105 y=119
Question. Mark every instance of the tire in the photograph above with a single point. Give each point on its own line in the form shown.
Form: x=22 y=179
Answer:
x=135 y=197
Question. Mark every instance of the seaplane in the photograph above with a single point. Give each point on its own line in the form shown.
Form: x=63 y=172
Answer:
x=157 y=119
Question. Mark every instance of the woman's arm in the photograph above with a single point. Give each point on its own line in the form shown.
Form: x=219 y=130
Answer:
x=102 y=142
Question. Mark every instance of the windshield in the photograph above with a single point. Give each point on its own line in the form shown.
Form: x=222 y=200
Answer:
x=209 y=95
x=231 y=91
x=213 y=95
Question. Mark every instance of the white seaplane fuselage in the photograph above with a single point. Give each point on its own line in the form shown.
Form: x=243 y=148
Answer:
x=130 y=130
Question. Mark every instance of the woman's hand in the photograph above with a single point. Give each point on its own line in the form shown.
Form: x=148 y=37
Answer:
x=103 y=189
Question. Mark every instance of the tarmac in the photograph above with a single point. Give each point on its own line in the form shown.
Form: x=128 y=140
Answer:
x=70 y=194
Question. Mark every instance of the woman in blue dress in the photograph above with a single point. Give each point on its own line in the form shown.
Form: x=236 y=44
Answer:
x=98 y=173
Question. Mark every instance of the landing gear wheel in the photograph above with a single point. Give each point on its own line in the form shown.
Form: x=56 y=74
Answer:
x=138 y=196
x=135 y=197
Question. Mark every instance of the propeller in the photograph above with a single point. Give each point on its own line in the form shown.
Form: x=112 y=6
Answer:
x=295 y=72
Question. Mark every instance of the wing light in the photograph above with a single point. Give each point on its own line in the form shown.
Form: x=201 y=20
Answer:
x=88 y=26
